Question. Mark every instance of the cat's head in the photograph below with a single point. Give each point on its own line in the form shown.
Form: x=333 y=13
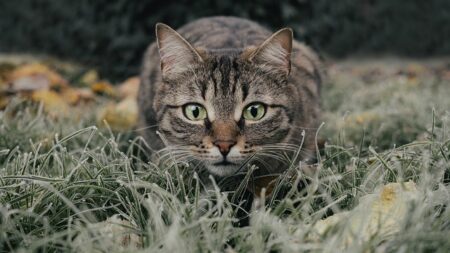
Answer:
x=222 y=107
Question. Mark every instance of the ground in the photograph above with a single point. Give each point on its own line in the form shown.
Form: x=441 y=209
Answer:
x=71 y=181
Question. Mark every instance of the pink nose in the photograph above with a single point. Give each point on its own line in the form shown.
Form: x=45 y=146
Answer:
x=224 y=146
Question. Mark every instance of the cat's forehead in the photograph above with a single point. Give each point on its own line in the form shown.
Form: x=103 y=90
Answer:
x=223 y=80
x=224 y=61
x=224 y=52
x=224 y=72
x=226 y=75
x=227 y=67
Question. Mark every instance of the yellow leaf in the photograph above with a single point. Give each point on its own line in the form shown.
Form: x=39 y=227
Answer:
x=53 y=102
x=130 y=88
x=103 y=88
x=363 y=117
x=5 y=70
x=381 y=213
x=35 y=77
x=74 y=96
x=121 y=116
x=4 y=100
x=415 y=69
x=90 y=77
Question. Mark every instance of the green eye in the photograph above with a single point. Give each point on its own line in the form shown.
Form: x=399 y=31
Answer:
x=254 y=112
x=194 y=112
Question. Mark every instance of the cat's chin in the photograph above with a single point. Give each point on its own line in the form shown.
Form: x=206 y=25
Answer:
x=223 y=170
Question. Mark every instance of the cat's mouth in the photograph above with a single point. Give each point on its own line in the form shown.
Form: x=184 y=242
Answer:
x=224 y=163
x=223 y=168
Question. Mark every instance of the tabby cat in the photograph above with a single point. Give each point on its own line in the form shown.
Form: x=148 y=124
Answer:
x=224 y=92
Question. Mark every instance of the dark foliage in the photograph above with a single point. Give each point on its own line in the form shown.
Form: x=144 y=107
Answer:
x=112 y=34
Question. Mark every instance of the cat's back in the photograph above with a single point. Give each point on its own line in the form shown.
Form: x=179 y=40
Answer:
x=224 y=33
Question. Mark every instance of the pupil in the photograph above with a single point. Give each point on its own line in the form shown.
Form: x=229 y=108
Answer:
x=195 y=112
x=253 y=111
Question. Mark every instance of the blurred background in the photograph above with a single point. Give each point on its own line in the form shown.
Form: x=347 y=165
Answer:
x=111 y=35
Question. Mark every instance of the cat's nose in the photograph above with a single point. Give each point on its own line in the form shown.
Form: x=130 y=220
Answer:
x=224 y=134
x=224 y=146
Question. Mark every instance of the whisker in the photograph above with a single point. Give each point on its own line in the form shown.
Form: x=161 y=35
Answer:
x=173 y=156
x=273 y=156
x=144 y=128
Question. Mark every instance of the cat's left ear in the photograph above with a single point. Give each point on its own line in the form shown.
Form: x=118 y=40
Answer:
x=275 y=52
x=176 y=53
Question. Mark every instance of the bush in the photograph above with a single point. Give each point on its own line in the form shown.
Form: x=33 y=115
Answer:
x=112 y=35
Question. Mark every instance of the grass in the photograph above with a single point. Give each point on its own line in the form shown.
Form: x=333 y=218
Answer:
x=61 y=177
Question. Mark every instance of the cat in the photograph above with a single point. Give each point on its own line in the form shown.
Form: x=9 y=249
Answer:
x=224 y=92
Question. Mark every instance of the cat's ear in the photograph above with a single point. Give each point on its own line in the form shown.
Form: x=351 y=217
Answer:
x=176 y=54
x=275 y=52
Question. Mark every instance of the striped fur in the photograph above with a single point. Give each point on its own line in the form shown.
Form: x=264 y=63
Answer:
x=226 y=64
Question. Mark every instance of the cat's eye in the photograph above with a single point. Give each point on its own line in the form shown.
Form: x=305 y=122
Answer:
x=194 y=112
x=254 y=111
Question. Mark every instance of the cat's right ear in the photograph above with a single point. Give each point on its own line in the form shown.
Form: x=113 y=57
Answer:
x=274 y=54
x=176 y=54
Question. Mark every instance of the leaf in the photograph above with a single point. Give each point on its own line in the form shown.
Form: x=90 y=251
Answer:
x=53 y=102
x=4 y=100
x=121 y=116
x=103 y=88
x=30 y=83
x=119 y=232
x=5 y=70
x=90 y=77
x=130 y=88
x=74 y=96
x=35 y=76
x=381 y=213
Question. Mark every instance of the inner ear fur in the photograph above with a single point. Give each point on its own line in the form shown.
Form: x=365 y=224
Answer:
x=176 y=53
x=274 y=52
